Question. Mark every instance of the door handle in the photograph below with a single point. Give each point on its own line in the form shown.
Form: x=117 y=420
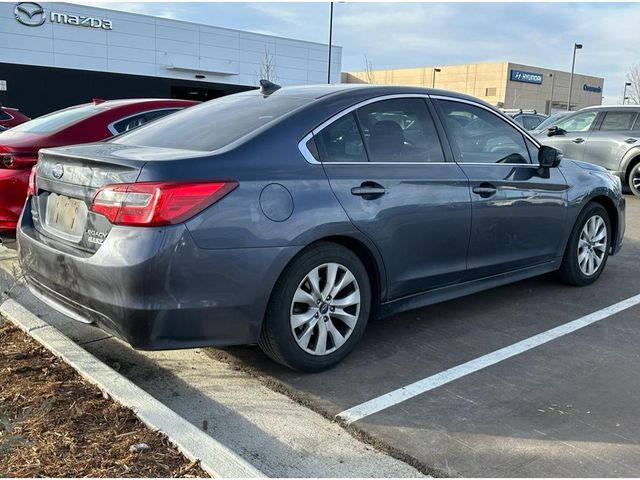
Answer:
x=578 y=140
x=485 y=190
x=631 y=140
x=369 y=190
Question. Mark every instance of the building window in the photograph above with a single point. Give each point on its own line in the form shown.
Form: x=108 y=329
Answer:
x=491 y=92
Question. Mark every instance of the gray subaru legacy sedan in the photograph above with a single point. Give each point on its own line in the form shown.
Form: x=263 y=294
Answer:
x=289 y=217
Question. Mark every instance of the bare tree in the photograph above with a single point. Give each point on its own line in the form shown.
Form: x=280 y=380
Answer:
x=369 y=73
x=267 y=67
x=633 y=91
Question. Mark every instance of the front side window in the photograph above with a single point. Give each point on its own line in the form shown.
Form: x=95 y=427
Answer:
x=580 y=122
x=400 y=130
x=481 y=136
x=618 y=121
x=341 y=141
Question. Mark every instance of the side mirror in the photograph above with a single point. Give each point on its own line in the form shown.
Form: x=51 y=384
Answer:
x=549 y=157
x=555 y=131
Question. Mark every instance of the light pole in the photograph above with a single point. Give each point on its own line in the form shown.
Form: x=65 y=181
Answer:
x=330 y=40
x=553 y=82
x=624 y=95
x=576 y=46
x=433 y=79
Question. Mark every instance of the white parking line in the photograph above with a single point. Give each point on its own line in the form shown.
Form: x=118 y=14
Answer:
x=405 y=393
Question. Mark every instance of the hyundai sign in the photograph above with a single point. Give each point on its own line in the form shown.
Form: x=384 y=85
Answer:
x=526 y=77
x=592 y=88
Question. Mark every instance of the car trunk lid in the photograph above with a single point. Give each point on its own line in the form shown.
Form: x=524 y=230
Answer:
x=67 y=180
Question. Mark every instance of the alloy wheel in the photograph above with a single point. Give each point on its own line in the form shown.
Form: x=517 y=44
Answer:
x=325 y=309
x=592 y=245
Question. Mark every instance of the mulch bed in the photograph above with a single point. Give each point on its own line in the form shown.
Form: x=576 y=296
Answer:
x=55 y=424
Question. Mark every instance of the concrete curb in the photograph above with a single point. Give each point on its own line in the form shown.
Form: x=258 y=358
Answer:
x=215 y=458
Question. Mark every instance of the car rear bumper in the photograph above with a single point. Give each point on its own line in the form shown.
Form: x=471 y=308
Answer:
x=154 y=288
x=13 y=191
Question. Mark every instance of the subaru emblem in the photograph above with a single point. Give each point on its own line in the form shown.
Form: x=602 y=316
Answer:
x=57 y=171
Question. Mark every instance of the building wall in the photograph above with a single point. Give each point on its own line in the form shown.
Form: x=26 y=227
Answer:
x=492 y=82
x=539 y=96
x=151 y=46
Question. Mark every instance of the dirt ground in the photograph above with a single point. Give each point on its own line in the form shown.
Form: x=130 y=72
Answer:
x=54 y=424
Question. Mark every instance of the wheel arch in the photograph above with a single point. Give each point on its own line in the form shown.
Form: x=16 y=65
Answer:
x=609 y=205
x=630 y=159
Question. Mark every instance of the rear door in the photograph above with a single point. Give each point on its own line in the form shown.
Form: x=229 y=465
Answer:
x=387 y=167
x=578 y=128
x=519 y=211
x=614 y=135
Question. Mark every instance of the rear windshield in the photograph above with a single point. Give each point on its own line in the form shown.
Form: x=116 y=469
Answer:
x=55 y=121
x=214 y=124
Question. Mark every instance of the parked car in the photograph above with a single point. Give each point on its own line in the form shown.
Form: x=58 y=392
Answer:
x=550 y=121
x=85 y=123
x=608 y=136
x=528 y=119
x=10 y=117
x=287 y=217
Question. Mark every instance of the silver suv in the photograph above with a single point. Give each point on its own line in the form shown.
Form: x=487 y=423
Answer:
x=606 y=135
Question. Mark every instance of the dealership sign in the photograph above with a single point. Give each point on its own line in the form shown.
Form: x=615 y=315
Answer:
x=32 y=14
x=526 y=77
x=592 y=88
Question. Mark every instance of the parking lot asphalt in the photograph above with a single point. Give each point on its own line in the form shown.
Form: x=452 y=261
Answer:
x=568 y=407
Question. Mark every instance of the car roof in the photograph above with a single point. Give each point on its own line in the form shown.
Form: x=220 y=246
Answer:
x=316 y=92
x=135 y=101
x=610 y=107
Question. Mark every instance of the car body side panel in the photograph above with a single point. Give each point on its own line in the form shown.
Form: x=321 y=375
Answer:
x=156 y=288
x=608 y=148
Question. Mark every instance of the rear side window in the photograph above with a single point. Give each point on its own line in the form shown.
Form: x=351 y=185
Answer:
x=136 y=121
x=618 y=121
x=58 y=120
x=4 y=115
x=400 y=130
x=341 y=141
x=213 y=124
x=530 y=122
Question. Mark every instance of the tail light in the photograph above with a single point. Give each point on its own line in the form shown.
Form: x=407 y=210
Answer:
x=32 y=188
x=157 y=203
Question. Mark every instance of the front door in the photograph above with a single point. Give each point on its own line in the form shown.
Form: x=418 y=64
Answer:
x=576 y=129
x=386 y=166
x=518 y=210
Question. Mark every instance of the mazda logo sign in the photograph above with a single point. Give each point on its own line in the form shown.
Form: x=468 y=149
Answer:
x=30 y=14
x=57 y=171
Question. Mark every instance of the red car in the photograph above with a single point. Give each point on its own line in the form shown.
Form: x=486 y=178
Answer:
x=10 y=117
x=91 y=122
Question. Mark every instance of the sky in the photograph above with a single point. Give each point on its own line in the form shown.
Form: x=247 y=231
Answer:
x=393 y=35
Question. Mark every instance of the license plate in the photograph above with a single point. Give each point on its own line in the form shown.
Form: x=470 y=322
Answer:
x=66 y=215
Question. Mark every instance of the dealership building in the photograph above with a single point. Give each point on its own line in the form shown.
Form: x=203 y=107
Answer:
x=504 y=84
x=53 y=55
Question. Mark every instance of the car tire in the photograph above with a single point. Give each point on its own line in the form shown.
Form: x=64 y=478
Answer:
x=634 y=180
x=311 y=328
x=587 y=252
